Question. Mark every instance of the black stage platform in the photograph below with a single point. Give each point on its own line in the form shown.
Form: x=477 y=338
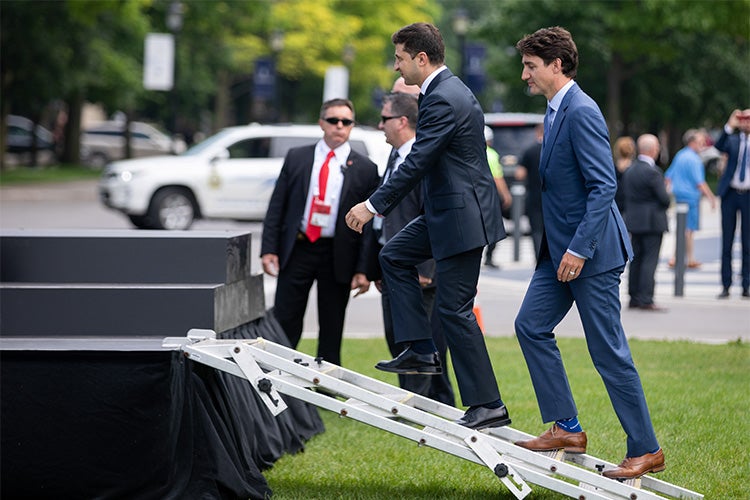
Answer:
x=87 y=414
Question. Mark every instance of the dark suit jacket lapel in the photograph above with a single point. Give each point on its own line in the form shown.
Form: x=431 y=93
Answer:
x=549 y=142
x=307 y=160
x=442 y=76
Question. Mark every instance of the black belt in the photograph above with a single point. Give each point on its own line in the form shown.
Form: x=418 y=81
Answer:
x=740 y=190
x=303 y=237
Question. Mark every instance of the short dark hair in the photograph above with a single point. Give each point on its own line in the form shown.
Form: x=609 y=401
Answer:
x=550 y=44
x=421 y=37
x=403 y=104
x=336 y=102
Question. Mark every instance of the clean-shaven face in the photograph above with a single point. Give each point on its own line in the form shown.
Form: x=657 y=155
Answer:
x=538 y=77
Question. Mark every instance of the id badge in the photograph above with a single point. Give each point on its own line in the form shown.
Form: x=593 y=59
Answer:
x=320 y=213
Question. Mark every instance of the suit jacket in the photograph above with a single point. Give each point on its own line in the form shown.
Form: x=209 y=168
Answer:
x=530 y=160
x=403 y=213
x=287 y=206
x=729 y=144
x=578 y=188
x=646 y=199
x=461 y=204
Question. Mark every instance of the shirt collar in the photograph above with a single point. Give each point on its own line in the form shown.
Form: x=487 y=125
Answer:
x=406 y=148
x=647 y=159
x=428 y=80
x=557 y=99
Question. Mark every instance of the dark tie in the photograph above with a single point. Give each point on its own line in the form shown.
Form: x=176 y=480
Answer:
x=313 y=232
x=743 y=163
x=390 y=165
x=419 y=99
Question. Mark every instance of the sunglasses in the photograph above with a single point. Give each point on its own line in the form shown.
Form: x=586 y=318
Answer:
x=344 y=121
x=386 y=118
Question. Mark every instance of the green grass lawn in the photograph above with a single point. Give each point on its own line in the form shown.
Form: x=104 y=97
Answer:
x=55 y=173
x=698 y=396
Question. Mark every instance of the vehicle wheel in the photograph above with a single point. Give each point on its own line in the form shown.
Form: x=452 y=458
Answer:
x=139 y=221
x=172 y=208
x=97 y=161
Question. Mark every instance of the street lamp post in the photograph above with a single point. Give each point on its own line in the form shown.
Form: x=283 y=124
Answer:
x=460 y=28
x=277 y=45
x=174 y=24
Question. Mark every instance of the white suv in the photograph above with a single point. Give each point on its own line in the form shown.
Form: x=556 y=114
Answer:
x=230 y=175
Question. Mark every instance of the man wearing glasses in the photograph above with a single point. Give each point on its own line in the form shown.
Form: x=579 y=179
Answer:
x=398 y=121
x=305 y=238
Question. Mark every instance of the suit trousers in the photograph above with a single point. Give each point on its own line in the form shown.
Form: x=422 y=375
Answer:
x=546 y=303
x=312 y=262
x=641 y=281
x=437 y=387
x=457 y=277
x=733 y=203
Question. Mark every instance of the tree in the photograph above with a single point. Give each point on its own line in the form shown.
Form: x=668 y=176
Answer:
x=653 y=65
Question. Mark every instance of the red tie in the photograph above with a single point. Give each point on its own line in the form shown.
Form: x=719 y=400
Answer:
x=313 y=232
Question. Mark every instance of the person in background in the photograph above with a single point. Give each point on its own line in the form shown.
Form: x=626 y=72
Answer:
x=584 y=251
x=506 y=200
x=623 y=153
x=398 y=120
x=734 y=190
x=461 y=217
x=686 y=179
x=305 y=238
x=528 y=170
x=646 y=219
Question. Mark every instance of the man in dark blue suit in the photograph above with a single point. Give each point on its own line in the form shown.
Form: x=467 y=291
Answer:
x=584 y=251
x=734 y=190
x=461 y=216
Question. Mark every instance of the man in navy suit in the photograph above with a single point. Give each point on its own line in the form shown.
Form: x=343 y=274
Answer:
x=585 y=247
x=734 y=190
x=305 y=238
x=461 y=216
x=398 y=120
x=646 y=198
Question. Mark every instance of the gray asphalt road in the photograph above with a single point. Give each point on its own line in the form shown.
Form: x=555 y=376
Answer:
x=696 y=316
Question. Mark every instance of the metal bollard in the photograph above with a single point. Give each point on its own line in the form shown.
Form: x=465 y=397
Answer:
x=679 y=262
x=518 y=191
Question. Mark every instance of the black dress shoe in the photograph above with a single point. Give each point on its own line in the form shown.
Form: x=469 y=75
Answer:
x=724 y=294
x=479 y=417
x=746 y=292
x=411 y=363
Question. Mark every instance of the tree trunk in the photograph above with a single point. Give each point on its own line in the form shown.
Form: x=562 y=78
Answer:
x=72 y=150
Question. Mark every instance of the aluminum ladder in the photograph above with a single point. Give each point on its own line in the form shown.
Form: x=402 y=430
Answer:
x=273 y=369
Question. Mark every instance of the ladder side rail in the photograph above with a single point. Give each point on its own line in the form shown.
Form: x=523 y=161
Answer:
x=267 y=358
x=369 y=383
x=438 y=408
x=293 y=386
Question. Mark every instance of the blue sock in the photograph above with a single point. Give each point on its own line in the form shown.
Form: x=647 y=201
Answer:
x=424 y=346
x=570 y=424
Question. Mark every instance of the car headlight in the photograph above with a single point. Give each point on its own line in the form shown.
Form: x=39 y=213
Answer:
x=126 y=175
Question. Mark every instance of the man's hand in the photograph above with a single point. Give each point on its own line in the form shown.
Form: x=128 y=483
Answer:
x=360 y=283
x=570 y=267
x=358 y=216
x=270 y=264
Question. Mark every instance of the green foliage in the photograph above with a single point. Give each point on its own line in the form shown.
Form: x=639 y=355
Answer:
x=697 y=398
x=652 y=65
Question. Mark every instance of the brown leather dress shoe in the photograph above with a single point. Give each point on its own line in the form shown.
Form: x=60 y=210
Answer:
x=633 y=467
x=555 y=439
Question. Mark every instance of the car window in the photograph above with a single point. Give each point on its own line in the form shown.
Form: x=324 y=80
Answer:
x=513 y=140
x=257 y=147
x=282 y=145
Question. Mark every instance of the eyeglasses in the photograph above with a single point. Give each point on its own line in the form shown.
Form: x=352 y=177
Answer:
x=344 y=121
x=386 y=118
